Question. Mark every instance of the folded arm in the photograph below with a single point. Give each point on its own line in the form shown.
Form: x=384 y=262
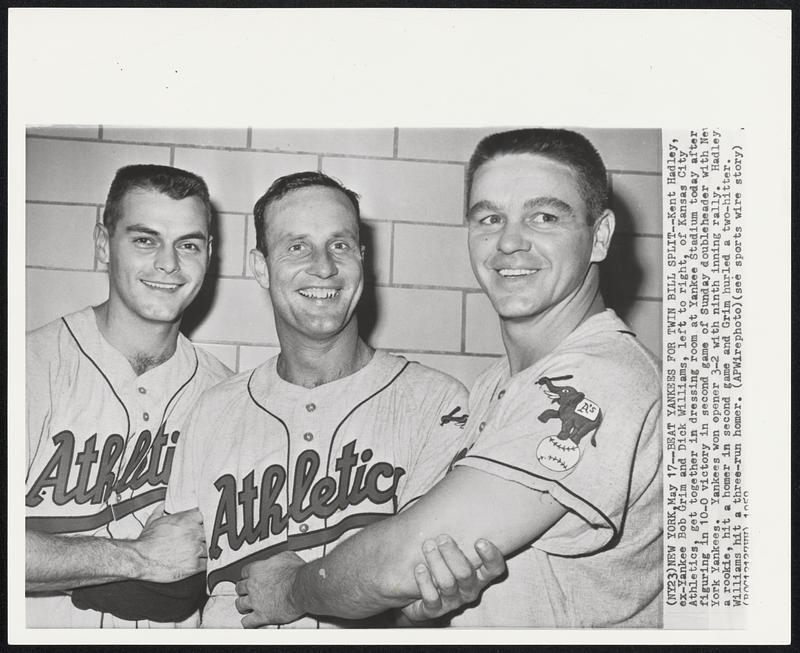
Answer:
x=56 y=562
x=170 y=548
x=374 y=570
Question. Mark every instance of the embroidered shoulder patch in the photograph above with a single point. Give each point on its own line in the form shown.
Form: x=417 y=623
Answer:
x=579 y=416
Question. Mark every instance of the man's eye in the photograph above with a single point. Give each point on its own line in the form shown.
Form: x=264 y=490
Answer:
x=192 y=247
x=143 y=240
x=543 y=218
x=340 y=245
x=296 y=247
x=491 y=219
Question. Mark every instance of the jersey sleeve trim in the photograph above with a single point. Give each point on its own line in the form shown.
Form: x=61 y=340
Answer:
x=83 y=523
x=566 y=497
x=233 y=572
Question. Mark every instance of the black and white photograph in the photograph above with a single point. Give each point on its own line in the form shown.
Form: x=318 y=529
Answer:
x=355 y=297
x=381 y=375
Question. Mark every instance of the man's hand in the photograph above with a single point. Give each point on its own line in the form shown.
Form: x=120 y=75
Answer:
x=171 y=547
x=265 y=591
x=449 y=581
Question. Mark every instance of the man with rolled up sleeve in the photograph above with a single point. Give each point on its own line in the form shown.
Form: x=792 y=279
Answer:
x=562 y=463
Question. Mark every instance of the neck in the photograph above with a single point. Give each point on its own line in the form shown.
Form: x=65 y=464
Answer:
x=311 y=363
x=530 y=339
x=145 y=344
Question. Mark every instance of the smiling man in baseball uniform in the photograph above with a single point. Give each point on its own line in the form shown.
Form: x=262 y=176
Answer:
x=562 y=469
x=109 y=391
x=330 y=435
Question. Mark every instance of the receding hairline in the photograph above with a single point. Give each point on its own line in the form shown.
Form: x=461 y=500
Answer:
x=346 y=201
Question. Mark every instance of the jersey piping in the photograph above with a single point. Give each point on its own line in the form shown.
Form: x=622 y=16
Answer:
x=112 y=512
x=589 y=504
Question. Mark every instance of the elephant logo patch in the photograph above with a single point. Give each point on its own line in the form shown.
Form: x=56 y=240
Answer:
x=579 y=416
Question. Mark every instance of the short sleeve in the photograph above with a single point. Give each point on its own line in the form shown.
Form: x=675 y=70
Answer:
x=439 y=425
x=573 y=432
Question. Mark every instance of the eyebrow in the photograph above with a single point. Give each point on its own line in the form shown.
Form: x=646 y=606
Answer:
x=338 y=234
x=142 y=229
x=549 y=202
x=529 y=205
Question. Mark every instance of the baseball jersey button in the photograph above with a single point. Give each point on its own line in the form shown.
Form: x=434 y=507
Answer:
x=308 y=437
x=311 y=407
x=481 y=426
x=145 y=416
x=143 y=390
x=303 y=528
x=501 y=394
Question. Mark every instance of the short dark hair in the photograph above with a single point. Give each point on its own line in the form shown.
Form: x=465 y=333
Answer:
x=567 y=147
x=173 y=182
x=285 y=185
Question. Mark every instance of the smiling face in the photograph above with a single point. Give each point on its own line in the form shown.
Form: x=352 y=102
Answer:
x=313 y=267
x=157 y=255
x=530 y=241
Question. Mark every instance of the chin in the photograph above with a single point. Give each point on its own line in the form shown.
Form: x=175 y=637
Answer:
x=509 y=308
x=161 y=315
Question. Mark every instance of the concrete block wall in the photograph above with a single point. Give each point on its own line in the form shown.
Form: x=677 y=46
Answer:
x=421 y=299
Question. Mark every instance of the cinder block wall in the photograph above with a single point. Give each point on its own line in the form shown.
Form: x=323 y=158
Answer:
x=421 y=300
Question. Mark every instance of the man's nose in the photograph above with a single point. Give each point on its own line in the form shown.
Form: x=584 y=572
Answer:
x=323 y=265
x=167 y=260
x=512 y=239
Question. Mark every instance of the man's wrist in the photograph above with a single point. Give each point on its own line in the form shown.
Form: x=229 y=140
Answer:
x=132 y=563
x=296 y=594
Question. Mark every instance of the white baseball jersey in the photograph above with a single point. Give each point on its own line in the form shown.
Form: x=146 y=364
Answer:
x=584 y=425
x=100 y=442
x=275 y=466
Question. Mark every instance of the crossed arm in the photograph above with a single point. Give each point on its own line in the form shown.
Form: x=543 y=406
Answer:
x=171 y=547
x=375 y=569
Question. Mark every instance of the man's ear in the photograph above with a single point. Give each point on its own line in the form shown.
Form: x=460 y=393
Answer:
x=101 y=243
x=363 y=250
x=258 y=264
x=603 y=232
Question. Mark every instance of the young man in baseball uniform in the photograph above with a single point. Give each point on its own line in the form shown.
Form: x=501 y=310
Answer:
x=562 y=467
x=109 y=391
x=330 y=435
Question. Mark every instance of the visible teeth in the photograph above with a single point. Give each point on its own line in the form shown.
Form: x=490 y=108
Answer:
x=319 y=293
x=161 y=286
x=508 y=272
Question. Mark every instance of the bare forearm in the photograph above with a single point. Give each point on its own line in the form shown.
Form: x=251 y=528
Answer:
x=354 y=581
x=374 y=570
x=54 y=562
